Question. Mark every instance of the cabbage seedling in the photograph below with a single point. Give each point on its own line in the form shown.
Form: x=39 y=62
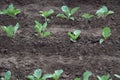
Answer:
x=103 y=12
x=11 y=30
x=117 y=76
x=106 y=33
x=57 y=74
x=85 y=76
x=77 y=79
x=68 y=14
x=46 y=14
x=11 y=11
x=37 y=75
x=87 y=16
x=7 y=76
x=104 y=77
x=74 y=35
x=41 y=29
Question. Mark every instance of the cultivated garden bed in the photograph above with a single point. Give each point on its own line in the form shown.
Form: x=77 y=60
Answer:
x=27 y=50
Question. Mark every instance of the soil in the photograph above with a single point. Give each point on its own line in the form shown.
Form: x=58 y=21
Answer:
x=27 y=51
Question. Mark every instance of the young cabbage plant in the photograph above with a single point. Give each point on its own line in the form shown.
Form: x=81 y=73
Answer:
x=46 y=14
x=57 y=74
x=41 y=29
x=85 y=76
x=117 y=76
x=106 y=33
x=11 y=11
x=87 y=16
x=37 y=75
x=68 y=14
x=77 y=79
x=74 y=35
x=103 y=12
x=7 y=76
x=104 y=77
x=11 y=30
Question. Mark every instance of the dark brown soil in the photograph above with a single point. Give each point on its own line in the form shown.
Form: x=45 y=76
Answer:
x=27 y=51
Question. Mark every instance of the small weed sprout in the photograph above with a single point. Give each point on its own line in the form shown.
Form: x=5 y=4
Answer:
x=41 y=29
x=87 y=16
x=11 y=11
x=46 y=14
x=117 y=76
x=103 y=12
x=106 y=33
x=85 y=76
x=68 y=14
x=57 y=74
x=11 y=30
x=7 y=76
x=74 y=35
x=104 y=77
x=37 y=75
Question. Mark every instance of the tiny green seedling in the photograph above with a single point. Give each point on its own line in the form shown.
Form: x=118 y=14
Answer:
x=37 y=75
x=85 y=76
x=106 y=33
x=117 y=76
x=41 y=29
x=7 y=76
x=104 y=77
x=46 y=14
x=77 y=79
x=11 y=30
x=11 y=11
x=68 y=14
x=74 y=35
x=57 y=74
x=87 y=16
x=103 y=12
